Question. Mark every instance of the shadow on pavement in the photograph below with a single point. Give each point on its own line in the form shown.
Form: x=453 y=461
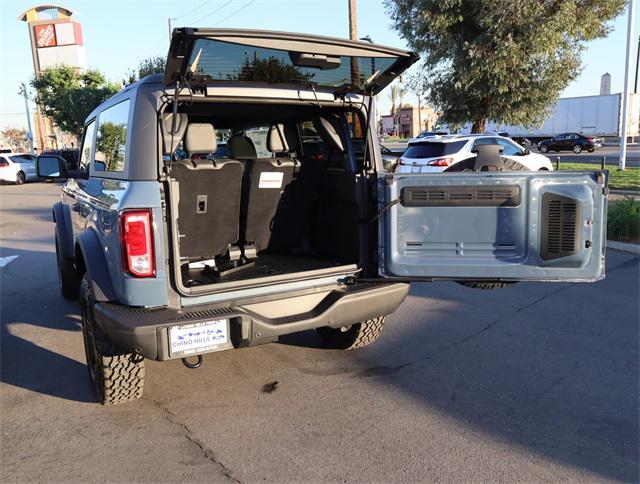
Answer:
x=550 y=368
x=30 y=297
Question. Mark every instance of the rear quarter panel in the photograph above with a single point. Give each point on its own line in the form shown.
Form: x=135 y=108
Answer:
x=107 y=198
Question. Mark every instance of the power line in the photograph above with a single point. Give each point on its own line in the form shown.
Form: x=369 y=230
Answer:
x=237 y=11
x=191 y=11
x=214 y=11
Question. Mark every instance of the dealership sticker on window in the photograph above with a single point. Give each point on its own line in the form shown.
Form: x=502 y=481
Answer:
x=271 y=179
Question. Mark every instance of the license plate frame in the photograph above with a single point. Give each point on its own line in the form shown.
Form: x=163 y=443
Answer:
x=198 y=337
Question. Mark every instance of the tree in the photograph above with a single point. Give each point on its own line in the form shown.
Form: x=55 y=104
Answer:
x=110 y=145
x=506 y=61
x=68 y=96
x=15 y=138
x=394 y=93
x=146 y=67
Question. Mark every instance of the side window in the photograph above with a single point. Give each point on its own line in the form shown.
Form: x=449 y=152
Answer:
x=86 y=152
x=484 y=141
x=259 y=137
x=111 y=138
x=509 y=149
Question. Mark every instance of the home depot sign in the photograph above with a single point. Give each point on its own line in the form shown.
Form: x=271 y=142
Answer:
x=58 y=42
x=45 y=35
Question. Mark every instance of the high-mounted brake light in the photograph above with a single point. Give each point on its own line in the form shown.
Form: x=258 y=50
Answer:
x=441 y=162
x=137 y=243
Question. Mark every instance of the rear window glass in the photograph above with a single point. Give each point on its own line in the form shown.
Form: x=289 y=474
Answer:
x=22 y=158
x=111 y=139
x=224 y=61
x=430 y=150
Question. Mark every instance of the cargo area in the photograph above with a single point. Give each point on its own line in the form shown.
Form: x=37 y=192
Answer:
x=263 y=191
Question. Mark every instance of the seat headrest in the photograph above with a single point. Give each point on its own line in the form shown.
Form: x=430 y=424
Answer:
x=201 y=138
x=241 y=148
x=328 y=131
x=488 y=158
x=179 y=129
x=276 y=140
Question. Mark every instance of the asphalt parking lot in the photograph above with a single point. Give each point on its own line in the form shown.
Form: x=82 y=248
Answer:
x=536 y=382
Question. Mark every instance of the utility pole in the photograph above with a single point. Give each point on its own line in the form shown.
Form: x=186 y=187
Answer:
x=170 y=28
x=353 y=23
x=23 y=91
x=635 y=84
x=353 y=35
x=625 y=94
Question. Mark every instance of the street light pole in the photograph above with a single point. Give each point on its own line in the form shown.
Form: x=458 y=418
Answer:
x=23 y=91
x=625 y=94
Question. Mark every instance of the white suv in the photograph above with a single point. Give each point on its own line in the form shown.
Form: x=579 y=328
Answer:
x=436 y=154
x=17 y=167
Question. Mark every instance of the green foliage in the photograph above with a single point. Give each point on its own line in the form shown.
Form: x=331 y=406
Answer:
x=68 y=96
x=623 y=220
x=146 y=67
x=506 y=61
x=629 y=179
x=270 y=70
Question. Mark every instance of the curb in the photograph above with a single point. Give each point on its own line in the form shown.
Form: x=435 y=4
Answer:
x=625 y=192
x=623 y=246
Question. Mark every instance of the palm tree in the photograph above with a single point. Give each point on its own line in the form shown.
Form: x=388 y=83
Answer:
x=393 y=97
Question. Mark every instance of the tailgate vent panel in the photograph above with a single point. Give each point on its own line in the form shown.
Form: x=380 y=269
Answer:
x=438 y=196
x=560 y=231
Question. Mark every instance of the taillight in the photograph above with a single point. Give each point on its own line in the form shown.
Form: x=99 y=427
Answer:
x=4 y=163
x=590 y=140
x=441 y=162
x=318 y=157
x=137 y=243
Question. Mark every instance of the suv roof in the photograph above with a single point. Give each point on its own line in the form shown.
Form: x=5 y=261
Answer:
x=449 y=138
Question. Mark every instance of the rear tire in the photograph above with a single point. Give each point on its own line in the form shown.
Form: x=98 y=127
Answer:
x=355 y=336
x=68 y=280
x=486 y=285
x=20 y=178
x=544 y=149
x=577 y=149
x=116 y=376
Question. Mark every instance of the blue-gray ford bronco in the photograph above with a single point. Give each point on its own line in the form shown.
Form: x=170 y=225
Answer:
x=241 y=196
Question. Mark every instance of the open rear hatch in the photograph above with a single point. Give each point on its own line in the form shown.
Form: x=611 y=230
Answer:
x=255 y=57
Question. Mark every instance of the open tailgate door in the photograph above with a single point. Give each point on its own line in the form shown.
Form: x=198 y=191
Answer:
x=498 y=226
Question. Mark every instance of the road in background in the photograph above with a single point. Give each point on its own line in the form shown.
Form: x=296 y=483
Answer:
x=612 y=154
x=536 y=382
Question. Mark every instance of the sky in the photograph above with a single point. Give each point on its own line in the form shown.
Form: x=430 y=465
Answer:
x=118 y=34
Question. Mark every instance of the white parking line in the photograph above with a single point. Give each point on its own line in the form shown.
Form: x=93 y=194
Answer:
x=7 y=260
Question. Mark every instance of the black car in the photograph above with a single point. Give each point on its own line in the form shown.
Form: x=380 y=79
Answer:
x=570 y=141
x=70 y=155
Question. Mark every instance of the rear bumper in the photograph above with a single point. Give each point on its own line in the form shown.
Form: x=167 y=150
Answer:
x=146 y=331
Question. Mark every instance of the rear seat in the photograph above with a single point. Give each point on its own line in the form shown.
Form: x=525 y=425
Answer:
x=210 y=195
x=265 y=181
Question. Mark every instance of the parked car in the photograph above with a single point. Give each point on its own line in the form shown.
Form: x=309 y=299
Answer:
x=70 y=155
x=390 y=158
x=428 y=134
x=175 y=258
x=17 y=168
x=436 y=154
x=570 y=142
